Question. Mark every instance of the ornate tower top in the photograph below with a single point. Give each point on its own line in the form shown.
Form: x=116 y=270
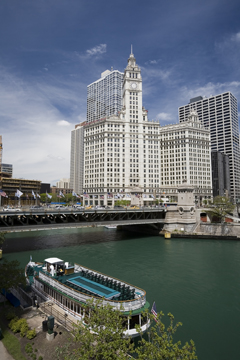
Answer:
x=131 y=60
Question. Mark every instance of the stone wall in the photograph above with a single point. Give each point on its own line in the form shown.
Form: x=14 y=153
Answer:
x=219 y=229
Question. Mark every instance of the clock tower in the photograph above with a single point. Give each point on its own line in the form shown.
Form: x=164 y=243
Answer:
x=132 y=90
x=134 y=117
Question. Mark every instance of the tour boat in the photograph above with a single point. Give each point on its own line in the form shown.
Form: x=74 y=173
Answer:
x=70 y=286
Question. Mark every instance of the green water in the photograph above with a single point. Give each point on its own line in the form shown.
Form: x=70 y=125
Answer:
x=196 y=280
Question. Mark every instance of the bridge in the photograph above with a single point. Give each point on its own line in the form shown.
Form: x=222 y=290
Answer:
x=42 y=218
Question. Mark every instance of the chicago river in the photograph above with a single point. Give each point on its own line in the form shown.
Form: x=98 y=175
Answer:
x=196 y=280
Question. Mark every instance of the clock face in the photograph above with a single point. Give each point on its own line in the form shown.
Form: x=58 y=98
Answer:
x=133 y=85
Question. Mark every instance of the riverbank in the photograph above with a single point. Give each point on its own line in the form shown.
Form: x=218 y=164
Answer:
x=203 y=236
x=12 y=346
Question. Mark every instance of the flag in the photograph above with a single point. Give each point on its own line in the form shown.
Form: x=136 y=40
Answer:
x=2 y=193
x=61 y=194
x=74 y=194
x=49 y=196
x=154 y=311
x=38 y=195
x=33 y=195
x=18 y=193
x=86 y=195
x=101 y=197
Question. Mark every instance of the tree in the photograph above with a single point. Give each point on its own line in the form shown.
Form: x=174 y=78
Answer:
x=159 y=344
x=122 y=202
x=11 y=275
x=102 y=338
x=221 y=207
x=2 y=237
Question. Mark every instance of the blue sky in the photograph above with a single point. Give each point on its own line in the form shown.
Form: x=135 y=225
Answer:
x=50 y=50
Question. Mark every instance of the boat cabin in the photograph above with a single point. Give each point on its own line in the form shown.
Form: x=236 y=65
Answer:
x=57 y=267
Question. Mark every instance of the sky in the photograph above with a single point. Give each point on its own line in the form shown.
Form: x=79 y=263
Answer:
x=50 y=50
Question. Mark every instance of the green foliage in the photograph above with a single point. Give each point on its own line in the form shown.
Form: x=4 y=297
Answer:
x=10 y=315
x=34 y=356
x=2 y=237
x=24 y=329
x=221 y=207
x=28 y=348
x=12 y=322
x=31 y=334
x=122 y=203
x=10 y=274
x=160 y=345
x=40 y=358
x=11 y=343
x=19 y=325
x=102 y=338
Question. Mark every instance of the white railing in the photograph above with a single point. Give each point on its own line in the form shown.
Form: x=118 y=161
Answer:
x=128 y=305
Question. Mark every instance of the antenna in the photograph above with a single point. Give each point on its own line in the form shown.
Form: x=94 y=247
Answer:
x=131 y=49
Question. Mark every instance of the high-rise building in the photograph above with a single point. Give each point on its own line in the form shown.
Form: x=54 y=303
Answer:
x=125 y=155
x=186 y=156
x=77 y=159
x=63 y=183
x=220 y=174
x=7 y=170
x=220 y=115
x=104 y=96
x=115 y=154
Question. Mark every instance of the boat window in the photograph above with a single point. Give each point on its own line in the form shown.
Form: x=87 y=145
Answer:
x=134 y=321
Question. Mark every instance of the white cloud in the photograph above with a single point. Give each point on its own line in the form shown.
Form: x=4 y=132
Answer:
x=29 y=112
x=152 y=62
x=164 y=116
x=63 y=123
x=99 y=49
x=235 y=37
x=212 y=89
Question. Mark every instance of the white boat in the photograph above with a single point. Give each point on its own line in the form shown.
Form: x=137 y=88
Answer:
x=110 y=226
x=70 y=286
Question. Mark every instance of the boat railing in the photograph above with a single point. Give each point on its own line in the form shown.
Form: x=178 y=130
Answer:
x=128 y=305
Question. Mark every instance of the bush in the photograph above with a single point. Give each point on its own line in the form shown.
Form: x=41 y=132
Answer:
x=24 y=330
x=12 y=322
x=28 y=348
x=17 y=325
x=31 y=334
x=40 y=358
x=10 y=315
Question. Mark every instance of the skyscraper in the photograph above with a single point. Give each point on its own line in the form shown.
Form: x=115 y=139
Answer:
x=126 y=156
x=219 y=114
x=104 y=96
x=77 y=159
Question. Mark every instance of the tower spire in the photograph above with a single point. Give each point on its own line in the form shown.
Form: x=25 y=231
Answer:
x=131 y=50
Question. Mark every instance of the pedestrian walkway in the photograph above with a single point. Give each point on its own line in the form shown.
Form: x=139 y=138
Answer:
x=4 y=354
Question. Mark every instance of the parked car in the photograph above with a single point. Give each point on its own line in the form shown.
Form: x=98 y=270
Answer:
x=134 y=207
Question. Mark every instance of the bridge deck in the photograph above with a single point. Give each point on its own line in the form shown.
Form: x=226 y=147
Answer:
x=46 y=218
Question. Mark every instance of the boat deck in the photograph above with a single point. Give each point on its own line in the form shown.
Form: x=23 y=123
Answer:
x=90 y=283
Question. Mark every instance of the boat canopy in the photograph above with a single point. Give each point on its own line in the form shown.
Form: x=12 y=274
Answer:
x=53 y=260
